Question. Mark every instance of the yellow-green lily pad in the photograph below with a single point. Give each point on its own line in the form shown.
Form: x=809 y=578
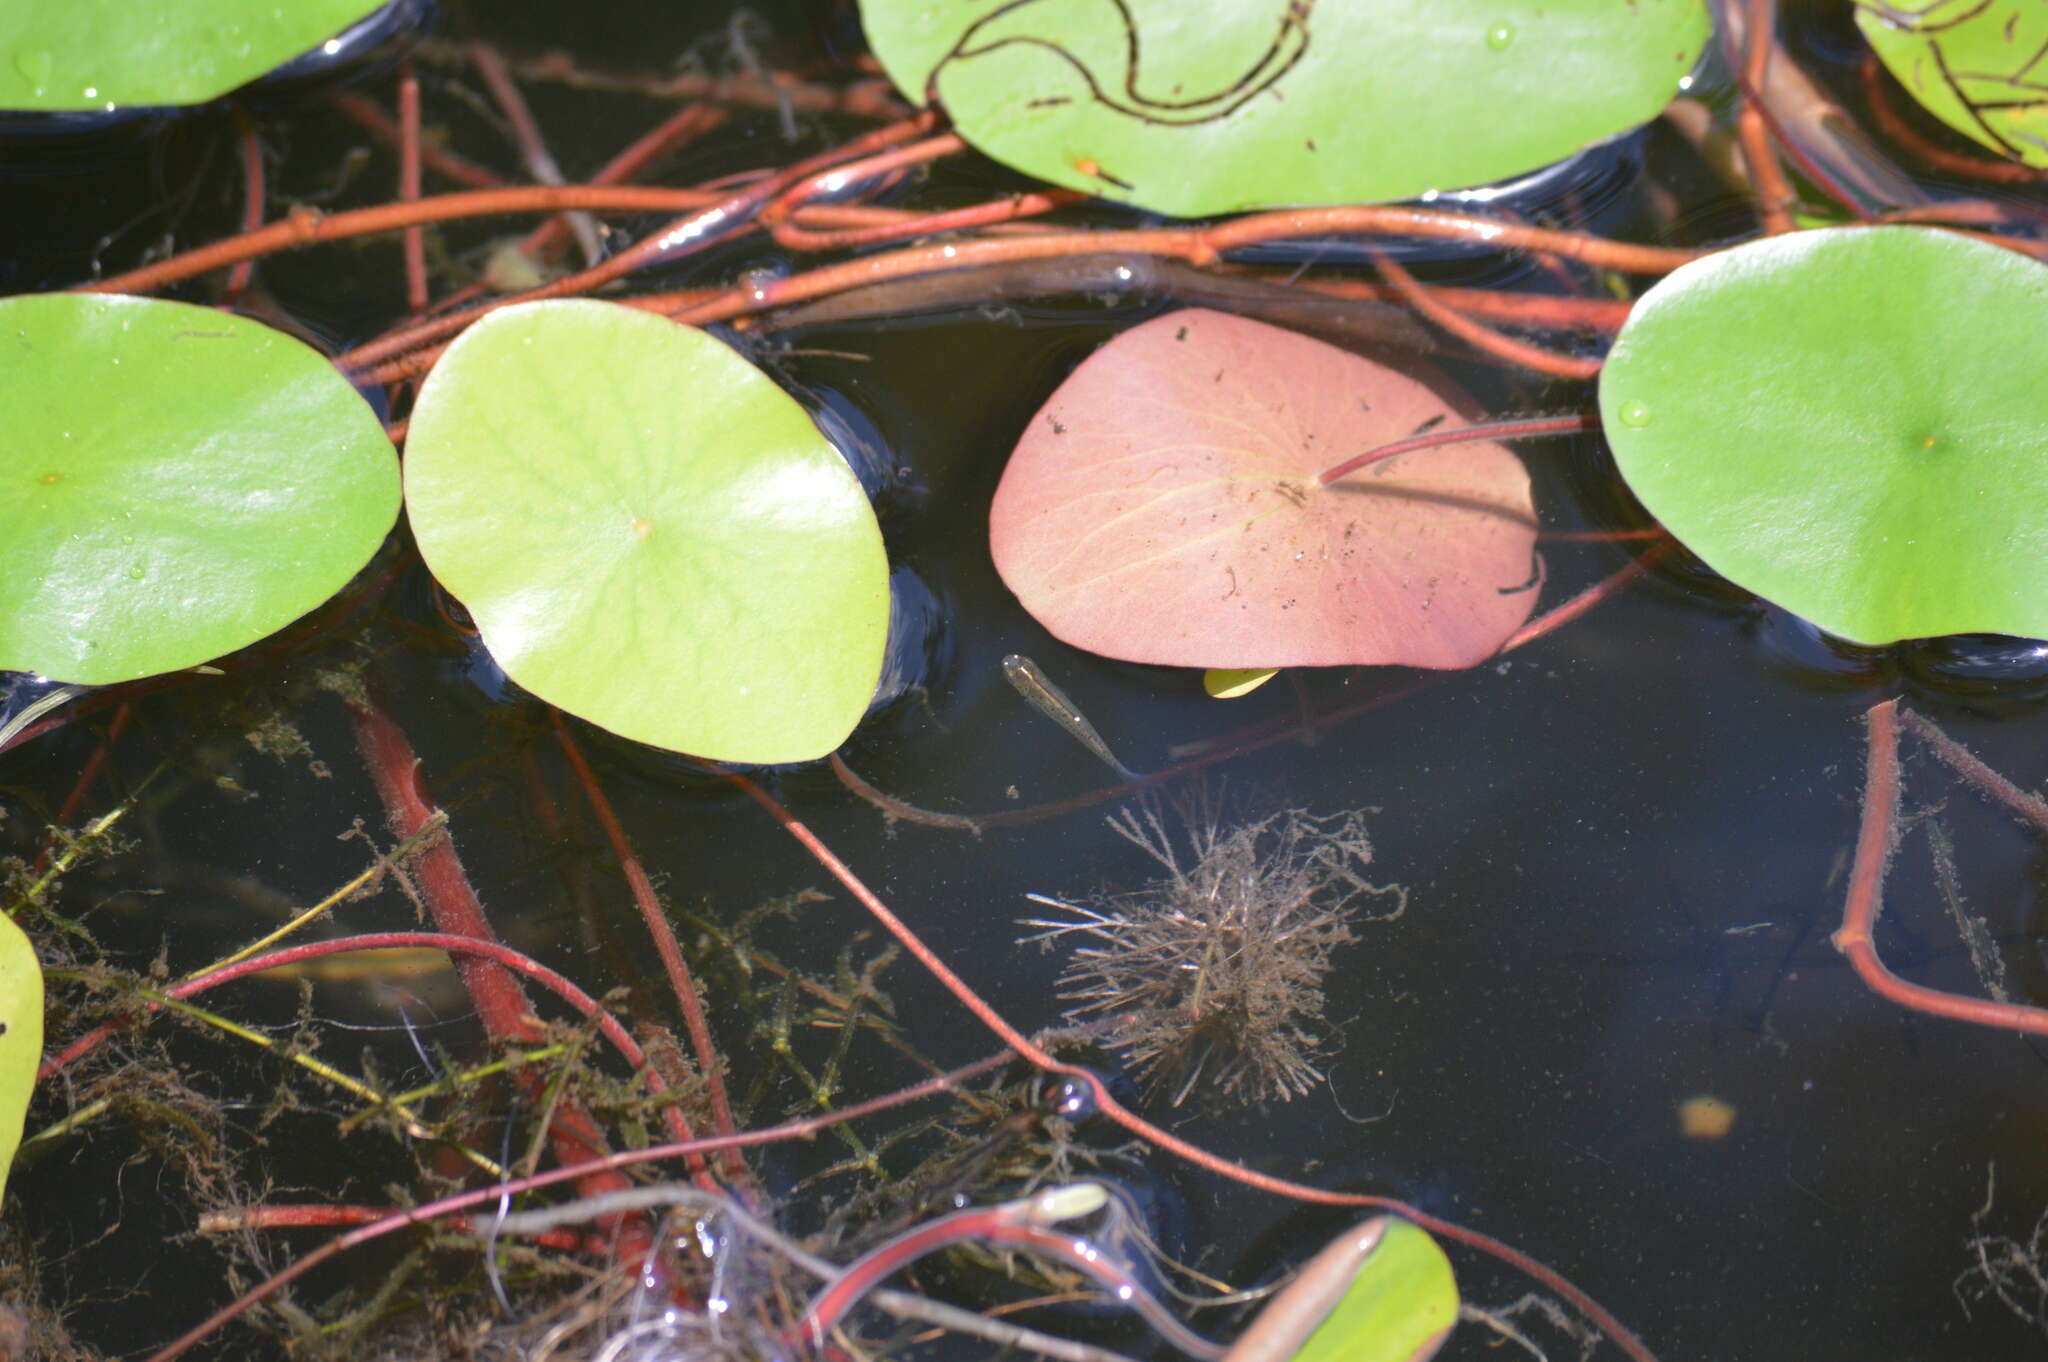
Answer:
x=1974 y=64
x=1852 y=423
x=175 y=483
x=1195 y=109
x=649 y=533
x=21 y=1035
x=106 y=54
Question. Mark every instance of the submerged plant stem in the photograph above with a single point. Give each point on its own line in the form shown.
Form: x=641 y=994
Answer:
x=1875 y=841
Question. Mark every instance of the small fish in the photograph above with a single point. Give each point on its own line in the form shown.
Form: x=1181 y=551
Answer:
x=1052 y=702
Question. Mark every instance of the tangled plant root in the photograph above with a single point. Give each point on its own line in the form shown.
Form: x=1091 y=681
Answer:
x=1212 y=975
x=2006 y=1268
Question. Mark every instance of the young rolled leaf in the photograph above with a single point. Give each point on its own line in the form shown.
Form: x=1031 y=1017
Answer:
x=21 y=1035
x=1975 y=66
x=106 y=54
x=649 y=533
x=1199 y=109
x=1163 y=507
x=1852 y=423
x=1379 y=1292
x=176 y=483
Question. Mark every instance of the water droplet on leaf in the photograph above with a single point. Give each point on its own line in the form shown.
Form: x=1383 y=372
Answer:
x=1500 y=35
x=1636 y=414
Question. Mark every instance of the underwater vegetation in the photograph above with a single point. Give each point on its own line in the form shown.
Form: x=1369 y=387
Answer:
x=1210 y=977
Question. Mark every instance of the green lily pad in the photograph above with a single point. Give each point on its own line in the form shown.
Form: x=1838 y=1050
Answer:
x=1973 y=64
x=1198 y=109
x=649 y=533
x=21 y=1035
x=1852 y=423
x=107 y=54
x=1379 y=1292
x=175 y=483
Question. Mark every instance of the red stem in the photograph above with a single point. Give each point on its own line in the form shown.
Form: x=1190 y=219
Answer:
x=680 y=128
x=1483 y=337
x=68 y=810
x=846 y=175
x=1971 y=767
x=1201 y=246
x=1527 y=428
x=1525 y=309
x=365 y=113
x=684 y=236
x=414 y=241
x=1558 y=616
x=1010 y=209
x=307 y=226
x=300 y=1215
x=1138 y=1125
x=801 y=1128
x=1877 y=95
x=291 y=1216
x=463 y=946
x=1875 y=840
x=1003 y=1224
x=1773 y=191
x=500 y=1001
x=252 y=202
x=656 y=918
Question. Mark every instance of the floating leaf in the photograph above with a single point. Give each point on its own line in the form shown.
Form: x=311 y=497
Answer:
x=1163 y=507
x=1852 y=423
x=649 y=533
x=1198 y=109
x=1973 y=64
x=1379 y=1292
x=1230 y=683
x=21 y=1035
x=176 y=483
x=104 y=54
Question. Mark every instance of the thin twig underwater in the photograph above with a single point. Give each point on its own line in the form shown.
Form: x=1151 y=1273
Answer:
x=1212 y=975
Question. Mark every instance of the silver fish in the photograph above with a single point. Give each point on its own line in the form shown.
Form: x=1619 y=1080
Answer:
x=1052 y=702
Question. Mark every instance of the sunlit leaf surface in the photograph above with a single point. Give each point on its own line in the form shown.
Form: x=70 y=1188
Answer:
x=1163 y=507
x=1197 y=109
x=649 y=532
x=1852 y=423
x=107 y=54
x=175 y=483
x=1977 y=65
x=21 y=1035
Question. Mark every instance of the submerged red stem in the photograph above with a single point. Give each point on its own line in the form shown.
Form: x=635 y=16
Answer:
x=1875 y=840
x=656 y=917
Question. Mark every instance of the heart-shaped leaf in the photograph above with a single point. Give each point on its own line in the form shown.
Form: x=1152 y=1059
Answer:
x=649 y=533
x=1976 y=66
x=175 y=483
x=1163 y=507
x=21 y=1035
x=104 y=54
x=1852 y=423
x=1196 y=109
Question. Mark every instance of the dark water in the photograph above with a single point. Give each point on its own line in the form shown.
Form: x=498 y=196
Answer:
x=1625 y=843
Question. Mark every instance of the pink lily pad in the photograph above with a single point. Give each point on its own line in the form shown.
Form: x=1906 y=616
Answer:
x=1163 y=507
